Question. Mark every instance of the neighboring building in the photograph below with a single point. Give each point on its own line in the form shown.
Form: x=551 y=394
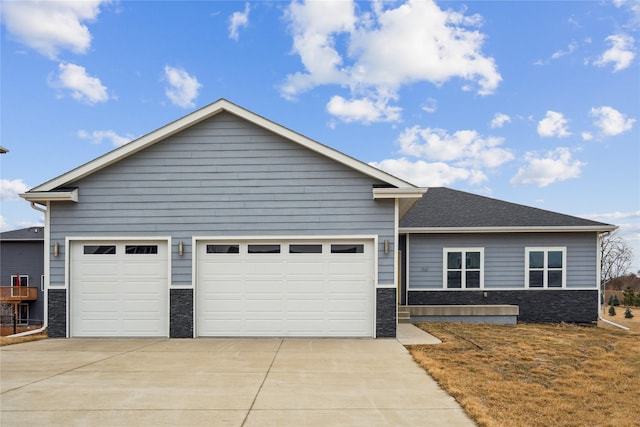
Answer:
x=22 y=255
x=224 y=223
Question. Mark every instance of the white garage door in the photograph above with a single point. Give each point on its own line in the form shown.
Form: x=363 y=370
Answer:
x=291 y=288
x=119 y=289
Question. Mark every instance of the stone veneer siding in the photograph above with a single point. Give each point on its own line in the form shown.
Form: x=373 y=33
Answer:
x=543 y=305
x=57 y=308
x=386 y=312
x=181 y=313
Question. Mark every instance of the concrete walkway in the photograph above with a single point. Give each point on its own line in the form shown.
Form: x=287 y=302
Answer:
x=220 y=382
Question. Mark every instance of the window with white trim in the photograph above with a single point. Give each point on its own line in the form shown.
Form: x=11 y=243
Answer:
x=545 y=267
x=24 y=280
x=463 y=268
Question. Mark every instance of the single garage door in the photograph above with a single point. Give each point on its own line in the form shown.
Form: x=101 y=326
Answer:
x=290 y=288
x=119 y=289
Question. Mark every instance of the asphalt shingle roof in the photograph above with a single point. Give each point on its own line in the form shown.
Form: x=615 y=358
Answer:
x=31 y=233
x=444 y=207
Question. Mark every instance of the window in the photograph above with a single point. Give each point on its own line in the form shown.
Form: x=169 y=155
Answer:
x=23 y=314
x=100 y=250
x=141 y=249
x=223 y=249
x=305 y=249
x=545 y=267
x=347 y=249
x=24 y=280
x=463 y=268
x=264 y=249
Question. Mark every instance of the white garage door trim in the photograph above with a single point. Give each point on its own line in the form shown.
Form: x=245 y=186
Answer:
x=157 y=279
x=368 y=285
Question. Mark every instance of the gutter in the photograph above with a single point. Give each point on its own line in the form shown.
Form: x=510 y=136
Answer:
x=45 y=325
x=599 y=252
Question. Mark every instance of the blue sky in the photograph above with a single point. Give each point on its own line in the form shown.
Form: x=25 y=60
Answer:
x=531 y=102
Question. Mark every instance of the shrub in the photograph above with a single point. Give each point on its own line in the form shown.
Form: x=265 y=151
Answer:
x=612 y=311
x=613 y=300
x=637 y=300
x=628 y=314
x=628 y=296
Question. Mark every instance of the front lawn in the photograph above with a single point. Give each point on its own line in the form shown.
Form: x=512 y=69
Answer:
x=537 y=375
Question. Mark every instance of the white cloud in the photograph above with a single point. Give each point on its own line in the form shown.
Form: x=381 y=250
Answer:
x=9 y=189
x=570 y=49
x=183 y=88
x=238 y=20
x=97 y=136
x=375 y=53
x=364 y=110
x=555 y=166
x=613 y=215
x=4 y=225
x=499 y=120
x=51 y=26
x=610 y=121
x=465 y=148
x=84 y=88
x=425 y=174
x=430 y=105
x=633 y=6
x=621 y=53
x=554 y=124
x=586 y=136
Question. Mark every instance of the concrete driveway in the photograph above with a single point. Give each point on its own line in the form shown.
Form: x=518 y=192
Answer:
x=220 y=382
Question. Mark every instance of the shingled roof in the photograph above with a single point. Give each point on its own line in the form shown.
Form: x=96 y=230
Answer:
x=31 y=233
x=443 y=209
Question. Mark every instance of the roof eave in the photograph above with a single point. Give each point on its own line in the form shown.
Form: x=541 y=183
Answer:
x=51 y=196
x=407 y=197
x=513 y=229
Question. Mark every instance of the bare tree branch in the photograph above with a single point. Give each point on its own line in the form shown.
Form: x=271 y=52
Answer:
x=616 y=257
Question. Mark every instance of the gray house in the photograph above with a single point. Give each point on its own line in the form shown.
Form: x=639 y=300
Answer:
x=463 y=249
x=22 y=274
x=224 y=223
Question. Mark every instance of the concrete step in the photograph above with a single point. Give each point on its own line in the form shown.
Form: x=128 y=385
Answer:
x=404 y=315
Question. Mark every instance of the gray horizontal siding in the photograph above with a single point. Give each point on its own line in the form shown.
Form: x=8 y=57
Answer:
x=503 y=257
x=224 y=177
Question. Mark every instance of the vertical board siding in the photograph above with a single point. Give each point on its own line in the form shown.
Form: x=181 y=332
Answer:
x=223 y=177
x=503 y=257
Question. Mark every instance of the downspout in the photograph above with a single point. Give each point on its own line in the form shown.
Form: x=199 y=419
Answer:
x=598 y=278
x=46 y=276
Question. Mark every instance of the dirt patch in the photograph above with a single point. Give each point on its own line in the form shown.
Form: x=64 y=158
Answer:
x=537 y=375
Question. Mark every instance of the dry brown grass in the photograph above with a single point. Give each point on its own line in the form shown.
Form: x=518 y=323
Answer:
x=17 y=340
x=537 y=375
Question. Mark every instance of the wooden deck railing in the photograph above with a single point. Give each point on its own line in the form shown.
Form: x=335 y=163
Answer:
x=18 y=293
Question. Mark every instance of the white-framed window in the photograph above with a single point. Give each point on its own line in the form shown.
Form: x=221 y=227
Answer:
x=463 y=268
x=24 y=280
x=545 y=267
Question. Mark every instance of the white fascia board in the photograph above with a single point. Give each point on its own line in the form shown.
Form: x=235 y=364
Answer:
x=398 y=193
x=203 y=114
x=537 y=229
x=407 y=197
x=51 y=196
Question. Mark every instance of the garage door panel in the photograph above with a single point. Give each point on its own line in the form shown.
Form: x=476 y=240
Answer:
x=285 y=294
x=119 y=293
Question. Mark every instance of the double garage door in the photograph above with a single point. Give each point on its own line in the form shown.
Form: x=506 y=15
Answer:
x=242 y=288
x=294 y=288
